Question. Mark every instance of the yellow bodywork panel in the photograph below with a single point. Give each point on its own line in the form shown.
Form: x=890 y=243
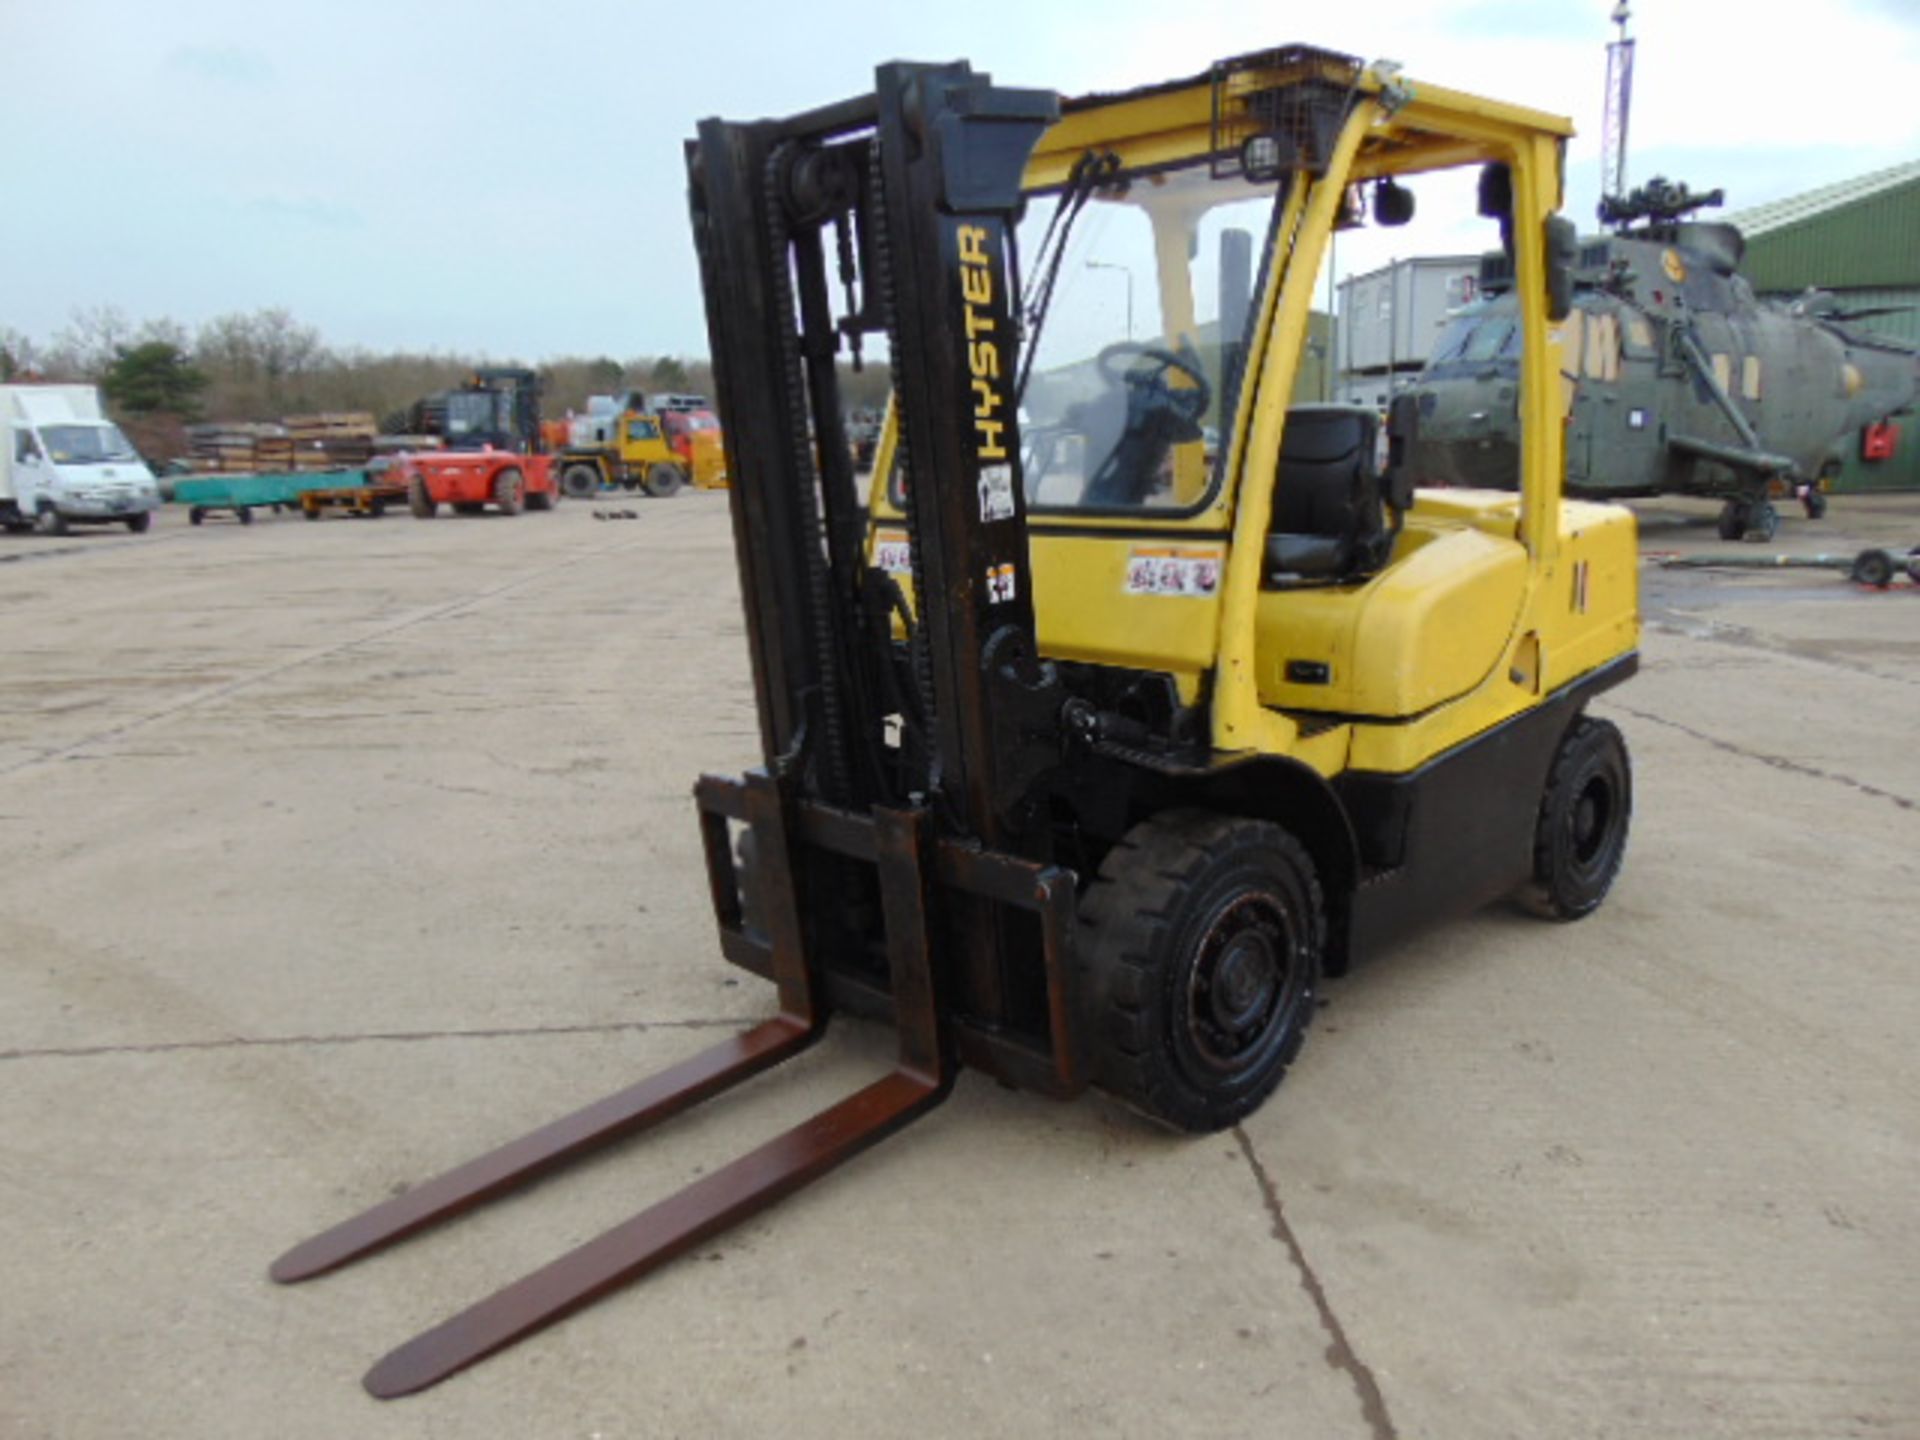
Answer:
x=1146 y=604
x=1113 y=599
x=1575 y=614
x=1425 y=630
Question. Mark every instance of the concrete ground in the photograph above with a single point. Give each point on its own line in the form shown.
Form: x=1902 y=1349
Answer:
x=335 y=853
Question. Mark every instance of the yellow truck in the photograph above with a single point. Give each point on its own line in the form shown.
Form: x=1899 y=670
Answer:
x=634 y=446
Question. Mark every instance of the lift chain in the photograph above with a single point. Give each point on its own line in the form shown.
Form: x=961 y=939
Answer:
x=837 y=783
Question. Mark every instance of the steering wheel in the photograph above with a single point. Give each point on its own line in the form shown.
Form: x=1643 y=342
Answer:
x=1155 y=416
x=1183 y=360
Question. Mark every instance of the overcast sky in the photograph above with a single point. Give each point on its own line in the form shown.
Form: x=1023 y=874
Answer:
x=506 y=178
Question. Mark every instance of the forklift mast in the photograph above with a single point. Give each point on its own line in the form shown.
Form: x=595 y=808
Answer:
x=917 y=186
x=911 y=194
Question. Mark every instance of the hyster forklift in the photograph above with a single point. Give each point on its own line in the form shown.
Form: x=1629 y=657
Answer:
x=1093 y=743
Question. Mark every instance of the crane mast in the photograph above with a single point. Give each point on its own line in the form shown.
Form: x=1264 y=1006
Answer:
x=1613 y=126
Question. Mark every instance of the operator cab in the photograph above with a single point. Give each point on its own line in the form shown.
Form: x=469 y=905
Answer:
x=1150 y=311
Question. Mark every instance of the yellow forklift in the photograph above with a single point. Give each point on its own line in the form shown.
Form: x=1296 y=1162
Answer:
x=1094 y=740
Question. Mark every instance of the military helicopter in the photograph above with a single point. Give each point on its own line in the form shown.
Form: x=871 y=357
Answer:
x=1676 y=378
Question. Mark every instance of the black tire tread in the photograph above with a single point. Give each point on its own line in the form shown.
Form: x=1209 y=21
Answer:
x=509 y=490
x=1583 y=735
x=1125 y=912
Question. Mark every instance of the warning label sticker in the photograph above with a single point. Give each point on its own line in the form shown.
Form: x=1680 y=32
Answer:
x=891 y=554
x=1002 y=585
x=1173 y=571
x=996 y=492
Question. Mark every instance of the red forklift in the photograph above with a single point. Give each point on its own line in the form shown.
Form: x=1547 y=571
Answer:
x=490 y=430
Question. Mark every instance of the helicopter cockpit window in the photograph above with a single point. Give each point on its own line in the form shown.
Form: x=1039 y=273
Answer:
x=1480 y=336
x=1454 y=338
x=1497 y=338
x=1138 y=361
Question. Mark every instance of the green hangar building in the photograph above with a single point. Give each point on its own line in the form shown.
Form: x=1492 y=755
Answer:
x=1860 y=240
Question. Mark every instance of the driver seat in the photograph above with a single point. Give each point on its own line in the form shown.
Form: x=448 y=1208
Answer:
x=1328 y=497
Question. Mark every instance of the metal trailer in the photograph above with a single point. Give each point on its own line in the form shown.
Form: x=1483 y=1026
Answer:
x=241 y=495
x=369 y=495
x=1873 y=566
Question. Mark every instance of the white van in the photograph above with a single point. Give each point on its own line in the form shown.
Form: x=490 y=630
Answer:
x=63 y=462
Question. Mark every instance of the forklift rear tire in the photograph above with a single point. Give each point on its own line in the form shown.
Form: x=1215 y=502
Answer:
x=582 y=482
x=664 y=479
x=1585 y=811
x=507 y=491
x=420 y=500
x=1201 y=946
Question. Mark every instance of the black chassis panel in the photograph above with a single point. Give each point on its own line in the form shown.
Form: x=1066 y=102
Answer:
x=1457 y=833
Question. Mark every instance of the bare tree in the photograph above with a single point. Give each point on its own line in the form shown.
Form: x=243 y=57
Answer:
x=87 y=346
x=165 y=331
x=18 y=354
x=265 y=365
x=261 y=365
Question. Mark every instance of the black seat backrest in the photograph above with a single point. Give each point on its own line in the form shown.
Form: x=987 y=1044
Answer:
x=1327 y=522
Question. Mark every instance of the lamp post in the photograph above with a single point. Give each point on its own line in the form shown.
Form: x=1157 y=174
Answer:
x=1109 y=265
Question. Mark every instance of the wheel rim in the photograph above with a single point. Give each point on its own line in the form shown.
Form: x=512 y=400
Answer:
x=1244 y=984
x=1592 y=820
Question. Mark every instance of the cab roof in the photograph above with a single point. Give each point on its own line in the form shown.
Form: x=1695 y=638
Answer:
x=1297 y=93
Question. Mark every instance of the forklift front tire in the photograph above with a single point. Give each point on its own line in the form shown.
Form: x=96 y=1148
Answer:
x=1201 y=957
x=1581 y=835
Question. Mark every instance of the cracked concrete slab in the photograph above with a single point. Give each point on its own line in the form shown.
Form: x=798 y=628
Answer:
x=338 y=853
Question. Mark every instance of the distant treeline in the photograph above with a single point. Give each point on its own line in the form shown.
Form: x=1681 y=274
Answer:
x=266 y=365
